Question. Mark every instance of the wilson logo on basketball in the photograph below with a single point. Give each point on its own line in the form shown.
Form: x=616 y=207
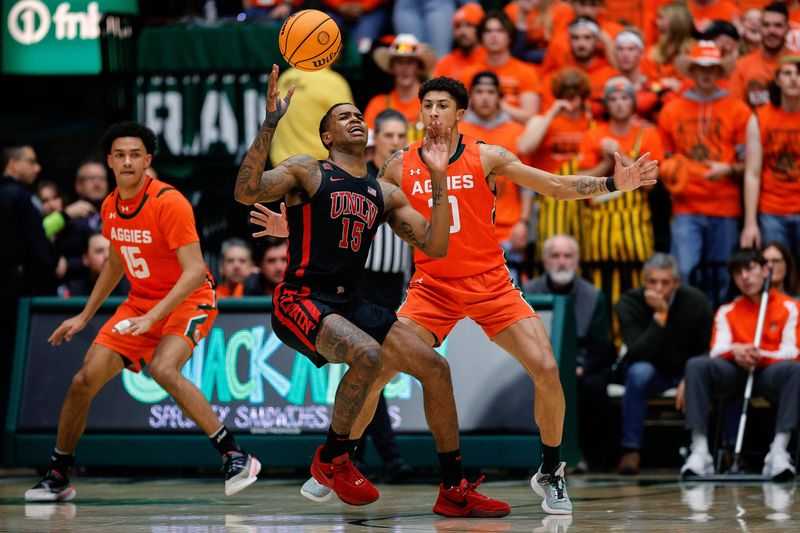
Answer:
x=323 y=37
x=325 y=60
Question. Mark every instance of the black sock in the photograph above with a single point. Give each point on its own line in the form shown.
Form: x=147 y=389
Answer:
x=551 y=457
x=223 y=441
x=352 y=447
x=452 y=471
x=335 y=445
x=61 y=462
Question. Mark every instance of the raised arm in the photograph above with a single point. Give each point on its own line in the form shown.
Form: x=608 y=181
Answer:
x=252 y=183
x=430 y=238
x=498 y=160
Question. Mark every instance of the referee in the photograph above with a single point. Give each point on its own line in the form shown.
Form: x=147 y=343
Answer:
x=384 y=280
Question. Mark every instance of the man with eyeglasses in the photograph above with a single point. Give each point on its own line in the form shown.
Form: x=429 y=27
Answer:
x=27 y=263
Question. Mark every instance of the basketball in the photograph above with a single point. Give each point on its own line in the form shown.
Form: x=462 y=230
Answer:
x=310 y=40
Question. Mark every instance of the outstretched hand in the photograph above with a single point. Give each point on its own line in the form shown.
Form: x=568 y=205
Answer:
x=276 y=107
x=640 y=173
x=436 y=147
x=274 y=224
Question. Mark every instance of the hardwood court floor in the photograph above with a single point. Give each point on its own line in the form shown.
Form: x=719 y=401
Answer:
x=275 y=506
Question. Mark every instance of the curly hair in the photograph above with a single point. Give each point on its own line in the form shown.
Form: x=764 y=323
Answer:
x=570 y=81
x=455 y=88
x=129 y=128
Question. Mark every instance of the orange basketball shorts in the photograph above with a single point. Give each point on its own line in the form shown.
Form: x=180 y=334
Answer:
x=191 y=321
x=490 y=299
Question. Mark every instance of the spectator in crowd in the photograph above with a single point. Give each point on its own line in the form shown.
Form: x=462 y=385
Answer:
x=485 y=120
x=784 y=271
x=652 y=23
x=553 y=141
x=706 y=11
x=27 y=264
x=298 y=135
x=733 y=355
x=772 y=175
x=428 y=20
x=237 y=266
x=272 y=267
x=269 y=10
x=94 y=258
x=793 y=38
x=409 y=62
x=519 y=81
x=383 y=283
x=363 y=20
x=91 y=185
x=617 y=228
x=537 y=22
x=51 y=199
x=585 y=53
x=607 y=29
x=726 y=36
x=595 y=353
x=751 y=31
x=756 y=70
x=466 y=49
x=675 y=28
x=626 y=55
x=703 y=132
x=664 y=323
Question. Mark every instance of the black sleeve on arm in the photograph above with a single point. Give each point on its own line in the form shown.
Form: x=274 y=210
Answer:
x=642 y=341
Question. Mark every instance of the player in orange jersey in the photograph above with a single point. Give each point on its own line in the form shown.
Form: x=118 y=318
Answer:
x=170 y=307
x=472 y=280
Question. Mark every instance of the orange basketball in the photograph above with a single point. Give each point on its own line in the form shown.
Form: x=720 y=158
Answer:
x=310 y=40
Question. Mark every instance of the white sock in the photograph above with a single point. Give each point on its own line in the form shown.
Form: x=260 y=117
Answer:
x=781 y=440
x=699 y=442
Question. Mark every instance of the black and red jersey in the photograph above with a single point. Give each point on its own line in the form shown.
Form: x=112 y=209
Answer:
x=330 y=233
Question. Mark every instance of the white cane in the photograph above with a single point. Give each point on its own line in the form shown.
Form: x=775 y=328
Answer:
x=748 y=388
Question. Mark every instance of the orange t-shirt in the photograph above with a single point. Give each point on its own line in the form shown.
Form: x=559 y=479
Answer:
x=750 y=79
x=473 y=247
x=145 y=231
x=559 y=53
x=411 y=109
x=599 y=72
x=780 y=173
x=456 y=62
x=516 y=77
x=718 y=10
x=705 y=131
x=508 y=206
x=642 y=138
x=540 y=32
x=561 y=143
x=226 y=290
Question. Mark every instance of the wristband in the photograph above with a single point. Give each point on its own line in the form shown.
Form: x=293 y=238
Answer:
x=610 y=185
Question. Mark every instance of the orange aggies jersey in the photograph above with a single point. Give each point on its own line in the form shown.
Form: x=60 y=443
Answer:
x=473 y=247
x=145 y=231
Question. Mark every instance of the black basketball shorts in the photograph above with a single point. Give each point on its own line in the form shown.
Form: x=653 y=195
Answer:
x=298 y=312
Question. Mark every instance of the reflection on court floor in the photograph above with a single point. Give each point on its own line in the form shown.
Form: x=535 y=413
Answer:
x=656 y=503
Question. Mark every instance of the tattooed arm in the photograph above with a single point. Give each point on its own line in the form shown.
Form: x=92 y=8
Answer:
x=392 y=169
x=430 y=238
x=497 y=160
x=252 y=183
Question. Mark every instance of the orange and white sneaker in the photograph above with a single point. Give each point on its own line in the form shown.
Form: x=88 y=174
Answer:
x=345 y=479
x=464 y=500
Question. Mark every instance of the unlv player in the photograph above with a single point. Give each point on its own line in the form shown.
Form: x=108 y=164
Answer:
x=334 y=208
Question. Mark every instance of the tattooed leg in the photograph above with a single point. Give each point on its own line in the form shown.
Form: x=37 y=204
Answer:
x=339 y=341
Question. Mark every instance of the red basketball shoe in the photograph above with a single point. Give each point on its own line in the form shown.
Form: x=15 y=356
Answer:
x=464 y=500
x=345 y=479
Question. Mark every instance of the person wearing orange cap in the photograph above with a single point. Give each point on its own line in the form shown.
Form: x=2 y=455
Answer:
x=705 y=128
x=466 y=49
x=754 y=71
x=617 y=228
x=409 y=61
x=772 y=177
x=519 y=81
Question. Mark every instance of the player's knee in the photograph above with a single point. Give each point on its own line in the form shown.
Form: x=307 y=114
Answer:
x=366 y=361
x=544 y=365
x=164 y=374
x=82 y=384
x=438 y=369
